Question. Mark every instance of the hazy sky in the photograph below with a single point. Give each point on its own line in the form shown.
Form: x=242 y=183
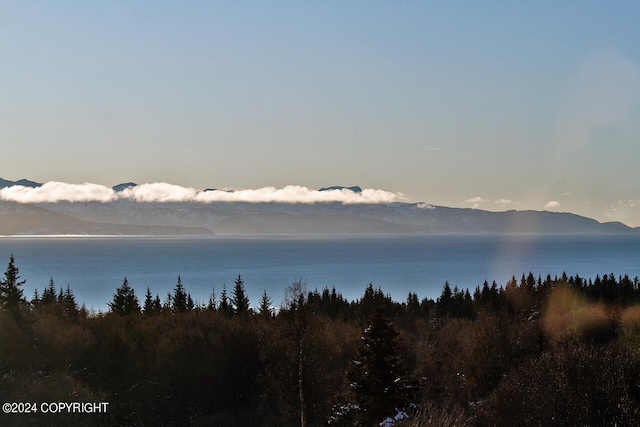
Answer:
x=493 y=104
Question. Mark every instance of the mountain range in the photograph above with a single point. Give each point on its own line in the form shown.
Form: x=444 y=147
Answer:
x=129 y=217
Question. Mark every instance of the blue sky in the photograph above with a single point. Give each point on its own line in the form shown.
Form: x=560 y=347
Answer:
x=494 y=105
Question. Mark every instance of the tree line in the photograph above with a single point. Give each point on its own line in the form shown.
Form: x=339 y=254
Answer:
x=537 y=351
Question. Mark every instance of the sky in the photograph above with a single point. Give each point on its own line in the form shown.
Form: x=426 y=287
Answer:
x=491 y=105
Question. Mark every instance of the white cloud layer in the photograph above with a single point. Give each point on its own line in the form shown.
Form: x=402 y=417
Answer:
x=52 y=192
x=504 y=202
x=553 y=204
x=58 y=191
x=626 y=211
x=476 y=199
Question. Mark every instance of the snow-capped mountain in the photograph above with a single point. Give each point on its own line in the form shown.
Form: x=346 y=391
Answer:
x=123 y=215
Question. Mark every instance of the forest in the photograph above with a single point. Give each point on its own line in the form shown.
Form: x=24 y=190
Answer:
x=533 y=351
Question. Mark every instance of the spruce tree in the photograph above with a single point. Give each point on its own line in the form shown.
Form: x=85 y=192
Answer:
x=265 y=305
x=49 y=294
x=11 y=296
x=190 y=304
x=212 y=305
x=125 y=301
x=224 y=306
x=445 y=302
x=35 y=301
x=148 y=301
x=69 y=303
x=179 y=301
x=371 y=301
x=151 y=305
x=166 y=305
x=377 y=377
x=239 y=299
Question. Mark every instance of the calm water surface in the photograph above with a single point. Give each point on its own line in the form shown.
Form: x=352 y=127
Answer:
x=95 y=266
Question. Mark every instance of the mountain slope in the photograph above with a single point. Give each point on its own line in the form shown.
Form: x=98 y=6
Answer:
x=23 y=219
x=331 y=218
x=23 y=182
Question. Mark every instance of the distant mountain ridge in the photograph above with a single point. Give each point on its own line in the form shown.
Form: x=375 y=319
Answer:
x=23 y=182
x=26 y=219
x=27 y=183
x=125 y=216
x=355 y=188
x=124 y=186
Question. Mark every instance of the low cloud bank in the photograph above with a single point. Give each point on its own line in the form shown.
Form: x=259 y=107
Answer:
x=58 y=191
x=52 y=192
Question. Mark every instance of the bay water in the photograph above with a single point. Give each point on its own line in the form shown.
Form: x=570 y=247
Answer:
x=95 y=266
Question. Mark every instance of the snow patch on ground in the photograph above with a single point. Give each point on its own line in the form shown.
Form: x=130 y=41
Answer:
x=389 y=422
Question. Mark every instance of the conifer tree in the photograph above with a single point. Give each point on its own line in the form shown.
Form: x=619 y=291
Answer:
x=35 y=301
x=190 y=304
x=265 y=305
x=224 y=305
x=212 y=305
x=239 y=299
x=166 y=305
x=69 y=303
x=179 y=300
x=413 y=304
x=151 y=305
x=377 y=377
x=11 y=296
x=49 y=294
x=371 y=301
x=445 y=301
x=125 y=301
x=148 y=301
